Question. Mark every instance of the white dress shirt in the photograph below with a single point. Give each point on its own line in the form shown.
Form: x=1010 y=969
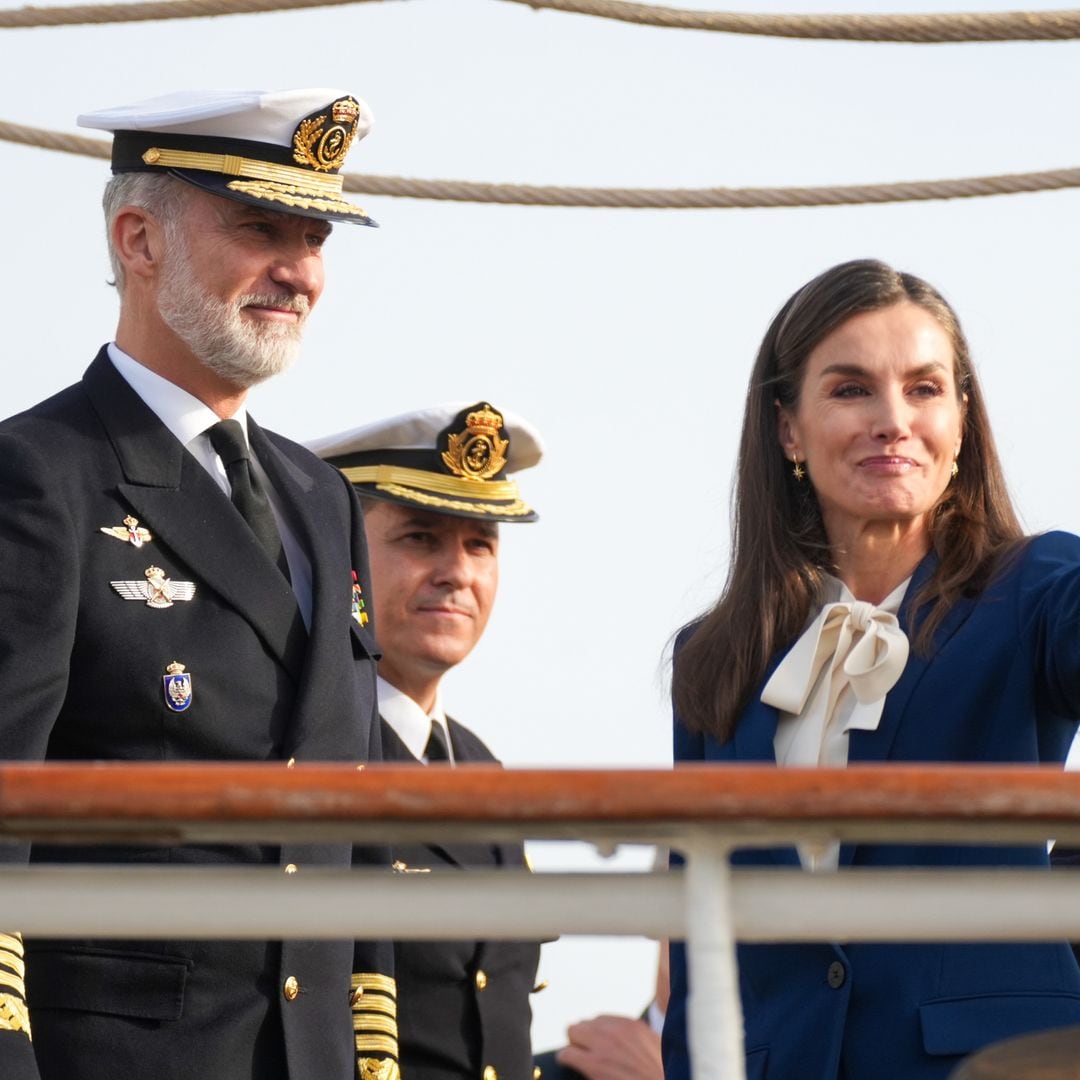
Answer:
x=410 y=723
x=189 y=419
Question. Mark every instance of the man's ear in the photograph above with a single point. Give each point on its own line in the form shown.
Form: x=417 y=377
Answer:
x=138 y=241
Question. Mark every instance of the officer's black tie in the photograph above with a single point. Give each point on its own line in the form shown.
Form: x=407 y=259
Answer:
x=436 y=749
x=248 y=496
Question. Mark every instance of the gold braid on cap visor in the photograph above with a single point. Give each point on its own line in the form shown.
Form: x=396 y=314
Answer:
x=284 y=184
x=404 y=482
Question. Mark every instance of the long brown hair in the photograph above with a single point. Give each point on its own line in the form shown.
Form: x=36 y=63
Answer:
x=779 y=548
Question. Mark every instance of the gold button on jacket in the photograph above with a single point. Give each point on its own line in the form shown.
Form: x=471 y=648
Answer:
x=291 y=989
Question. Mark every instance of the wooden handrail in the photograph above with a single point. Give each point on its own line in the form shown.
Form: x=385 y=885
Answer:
x=212 y=802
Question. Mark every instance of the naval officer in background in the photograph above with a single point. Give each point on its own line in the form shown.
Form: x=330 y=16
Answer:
x=434 y=486
x=177 y=586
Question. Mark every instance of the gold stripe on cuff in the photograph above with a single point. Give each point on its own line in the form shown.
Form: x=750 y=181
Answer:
x=376 y=1003
x=378 y=1044
x=16 y=963
x=13 y=942
x=372 y=1022
x=15 y=982
x=372 y=980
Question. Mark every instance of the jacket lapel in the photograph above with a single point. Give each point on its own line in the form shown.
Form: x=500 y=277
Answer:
x=460 y=855
x=756 y=729
x=177 y=500
x=876 y=745
x=313 y=503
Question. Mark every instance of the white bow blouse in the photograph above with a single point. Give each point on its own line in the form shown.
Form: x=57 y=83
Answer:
x=834 y=680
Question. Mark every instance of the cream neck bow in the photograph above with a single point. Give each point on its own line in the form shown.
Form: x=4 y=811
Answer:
x=864 y=648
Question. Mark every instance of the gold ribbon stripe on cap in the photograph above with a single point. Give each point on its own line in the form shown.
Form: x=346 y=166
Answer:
x=231 y=165
x=508 y=509
x=429 y=481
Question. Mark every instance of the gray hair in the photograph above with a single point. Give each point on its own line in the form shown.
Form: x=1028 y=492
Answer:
x=162 y=195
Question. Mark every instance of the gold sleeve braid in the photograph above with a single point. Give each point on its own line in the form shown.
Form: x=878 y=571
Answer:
x=14 y=1013
x=374 y=1016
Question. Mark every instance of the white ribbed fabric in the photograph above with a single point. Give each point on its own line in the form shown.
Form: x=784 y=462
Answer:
x=834 y=680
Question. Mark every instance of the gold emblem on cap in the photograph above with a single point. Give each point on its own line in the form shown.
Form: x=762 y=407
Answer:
x=324 y=148
x=477 y=453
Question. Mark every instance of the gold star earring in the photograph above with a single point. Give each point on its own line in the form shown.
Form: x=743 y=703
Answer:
x=797 y=471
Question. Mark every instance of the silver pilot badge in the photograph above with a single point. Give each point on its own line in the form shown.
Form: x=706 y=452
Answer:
x=157 y=590
x=177 y=687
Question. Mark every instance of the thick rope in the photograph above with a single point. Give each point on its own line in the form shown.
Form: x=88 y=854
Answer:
x=914 y=29
x=632 y=198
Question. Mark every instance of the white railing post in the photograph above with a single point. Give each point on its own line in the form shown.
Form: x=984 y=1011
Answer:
x=714 y=1009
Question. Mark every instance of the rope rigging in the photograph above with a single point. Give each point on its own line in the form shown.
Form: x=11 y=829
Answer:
x=916 y=29
x=630 y=198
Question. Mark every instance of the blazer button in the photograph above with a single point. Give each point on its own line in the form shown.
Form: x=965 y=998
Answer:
x=481 y=984
x=490 y=1073
x=291 y=988
x=836 y=975
x=290 y=868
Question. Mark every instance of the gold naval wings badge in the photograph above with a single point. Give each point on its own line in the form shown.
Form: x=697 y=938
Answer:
x=157 y=590
x=131 y=531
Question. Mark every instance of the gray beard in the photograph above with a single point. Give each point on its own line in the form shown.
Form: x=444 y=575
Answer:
x=243 y=352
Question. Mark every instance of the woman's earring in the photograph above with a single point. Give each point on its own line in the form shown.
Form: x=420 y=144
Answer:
x=955 y=468
x=798 y=471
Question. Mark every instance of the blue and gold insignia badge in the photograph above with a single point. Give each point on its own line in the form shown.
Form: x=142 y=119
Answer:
x=177 y=687
x=358 y=605
x=131 y=531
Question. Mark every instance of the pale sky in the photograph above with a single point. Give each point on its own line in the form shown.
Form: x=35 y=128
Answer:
x=626 y=336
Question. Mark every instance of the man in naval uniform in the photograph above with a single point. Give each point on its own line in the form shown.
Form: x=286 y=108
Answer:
x=434 y=489
x=177 y=586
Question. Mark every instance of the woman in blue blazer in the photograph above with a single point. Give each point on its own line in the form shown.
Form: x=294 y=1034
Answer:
x=883 y=604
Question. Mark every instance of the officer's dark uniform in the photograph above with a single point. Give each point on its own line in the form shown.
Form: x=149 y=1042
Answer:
x=463 y=1009
x=141 y=621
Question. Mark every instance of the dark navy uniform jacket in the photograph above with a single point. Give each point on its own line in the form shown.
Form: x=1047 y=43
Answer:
x=463 y=1006
x=1001 y=684
x=81 y=678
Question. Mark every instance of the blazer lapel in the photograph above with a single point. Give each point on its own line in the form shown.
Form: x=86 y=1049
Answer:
x=177 y=500
x=864 y=746
x=876 y=745
x=756 y=728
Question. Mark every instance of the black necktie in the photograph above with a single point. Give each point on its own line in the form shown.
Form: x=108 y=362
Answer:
x=436 y=749
x=248 y=496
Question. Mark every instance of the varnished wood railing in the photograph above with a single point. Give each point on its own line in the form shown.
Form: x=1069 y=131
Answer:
x=704 y=811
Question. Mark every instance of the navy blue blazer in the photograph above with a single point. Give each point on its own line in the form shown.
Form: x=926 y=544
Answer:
x=1001 y=684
